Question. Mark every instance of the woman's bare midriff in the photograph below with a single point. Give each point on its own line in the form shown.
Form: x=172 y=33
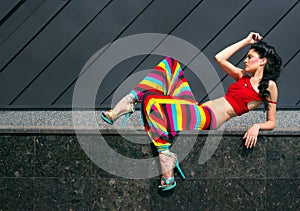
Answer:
x=222 y=109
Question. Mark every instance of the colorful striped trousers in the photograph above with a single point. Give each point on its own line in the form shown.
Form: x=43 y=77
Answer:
x=168 y=104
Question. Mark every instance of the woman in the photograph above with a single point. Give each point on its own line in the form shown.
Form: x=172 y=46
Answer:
x=168 y=105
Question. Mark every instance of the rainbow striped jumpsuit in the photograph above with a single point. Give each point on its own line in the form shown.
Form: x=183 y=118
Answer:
x=168 y=104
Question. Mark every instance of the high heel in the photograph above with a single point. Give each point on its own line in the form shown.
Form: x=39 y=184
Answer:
x=169 y=182
x=111 y=116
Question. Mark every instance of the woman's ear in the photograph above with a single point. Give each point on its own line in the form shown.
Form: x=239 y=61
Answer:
x=263 y=61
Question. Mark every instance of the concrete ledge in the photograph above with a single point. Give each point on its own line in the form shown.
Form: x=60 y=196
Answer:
x=60 y=122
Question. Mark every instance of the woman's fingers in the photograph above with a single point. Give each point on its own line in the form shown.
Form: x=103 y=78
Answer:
x=254 y=37
x=250 y=140
x=253 y=142
x=245 y=135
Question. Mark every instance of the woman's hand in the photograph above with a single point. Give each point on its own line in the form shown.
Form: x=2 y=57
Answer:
x=253 y=37
x=251 y=136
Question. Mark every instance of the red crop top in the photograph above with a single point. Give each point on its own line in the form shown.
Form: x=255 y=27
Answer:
x=241 y=93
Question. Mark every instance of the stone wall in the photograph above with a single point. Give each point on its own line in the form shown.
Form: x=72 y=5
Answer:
x=52 y=171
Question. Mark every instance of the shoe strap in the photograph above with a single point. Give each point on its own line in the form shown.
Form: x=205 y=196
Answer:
x=112 y=114
x=167 y=181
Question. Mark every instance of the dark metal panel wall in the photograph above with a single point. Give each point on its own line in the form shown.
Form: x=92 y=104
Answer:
x=103 y=28
x=61 y=60
x=195 y=23
x=289 y=88
x=210 y=21
x=8 y=7
x=22 y=56
x=13 y=23
x=45 y=44
x=162 y=10
x=159 y=10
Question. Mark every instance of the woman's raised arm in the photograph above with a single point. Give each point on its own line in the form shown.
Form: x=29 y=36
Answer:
x=223 y=56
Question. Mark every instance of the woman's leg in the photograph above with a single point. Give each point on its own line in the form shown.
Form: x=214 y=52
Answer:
x=163 y=117
x=167 y=78
x=166 y=81
x=163 y=93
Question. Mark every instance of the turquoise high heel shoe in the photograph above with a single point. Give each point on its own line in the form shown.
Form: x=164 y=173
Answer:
x=111 y=116
x=170 y=183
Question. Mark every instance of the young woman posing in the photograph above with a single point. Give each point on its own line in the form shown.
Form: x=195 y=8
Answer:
x=168 y=105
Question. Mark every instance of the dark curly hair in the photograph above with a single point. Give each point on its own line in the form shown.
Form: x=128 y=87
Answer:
x=272 y=68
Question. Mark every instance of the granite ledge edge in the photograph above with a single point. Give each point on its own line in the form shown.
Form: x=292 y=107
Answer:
x=111 y=130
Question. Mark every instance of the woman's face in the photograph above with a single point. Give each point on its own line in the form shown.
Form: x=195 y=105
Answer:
x=252 y=61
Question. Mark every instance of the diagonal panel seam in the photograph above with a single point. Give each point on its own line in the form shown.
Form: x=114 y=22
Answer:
x=286 y=64
x=33 y=37
x=134 y=69
x=290 y=59
x=11 y=12
x=217 y=34
x=117 y=37
x=189 y=13
x=21 y=23
x=54 y=58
